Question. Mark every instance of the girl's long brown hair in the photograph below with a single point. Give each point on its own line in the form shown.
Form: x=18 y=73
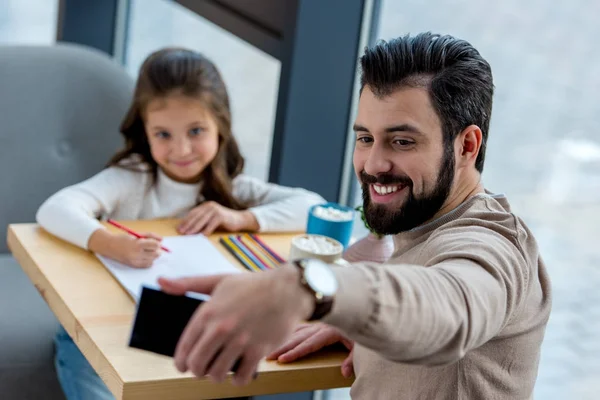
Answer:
x=181 y=71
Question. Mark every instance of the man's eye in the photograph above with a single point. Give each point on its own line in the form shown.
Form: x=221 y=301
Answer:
x=364 y=139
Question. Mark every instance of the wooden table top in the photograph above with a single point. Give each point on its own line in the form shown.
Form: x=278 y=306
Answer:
x=98 y=314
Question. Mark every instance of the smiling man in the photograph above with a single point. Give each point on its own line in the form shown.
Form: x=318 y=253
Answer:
x=459 y=311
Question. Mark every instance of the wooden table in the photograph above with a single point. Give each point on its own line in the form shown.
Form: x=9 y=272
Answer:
x=98 y=313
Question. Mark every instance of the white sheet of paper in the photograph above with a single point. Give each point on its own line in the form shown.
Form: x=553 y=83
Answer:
x=191 y=255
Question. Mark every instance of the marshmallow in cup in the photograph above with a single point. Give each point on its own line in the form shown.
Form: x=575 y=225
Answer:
x=320 y=247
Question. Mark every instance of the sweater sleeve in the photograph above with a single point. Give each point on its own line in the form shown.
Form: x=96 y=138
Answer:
x=73 y=213
x=474 y=280
x=276 y=208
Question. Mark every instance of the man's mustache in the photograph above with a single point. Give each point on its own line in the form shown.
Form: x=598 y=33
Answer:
x=385 y=179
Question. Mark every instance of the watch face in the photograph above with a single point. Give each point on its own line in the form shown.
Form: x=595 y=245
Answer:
x=320 y=277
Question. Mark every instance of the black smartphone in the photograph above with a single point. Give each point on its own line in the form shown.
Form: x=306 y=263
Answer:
x=161 y=318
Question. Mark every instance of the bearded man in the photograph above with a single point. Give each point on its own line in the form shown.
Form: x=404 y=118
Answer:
x=460 y=309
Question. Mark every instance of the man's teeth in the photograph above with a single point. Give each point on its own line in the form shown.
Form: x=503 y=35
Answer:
x=380 y=189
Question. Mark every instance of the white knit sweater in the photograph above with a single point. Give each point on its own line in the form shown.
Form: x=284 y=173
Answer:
x=73 y=213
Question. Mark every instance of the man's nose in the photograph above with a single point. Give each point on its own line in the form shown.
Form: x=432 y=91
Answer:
x=378 y=161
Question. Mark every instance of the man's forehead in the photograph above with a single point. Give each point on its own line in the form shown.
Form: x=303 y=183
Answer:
x=405 y=105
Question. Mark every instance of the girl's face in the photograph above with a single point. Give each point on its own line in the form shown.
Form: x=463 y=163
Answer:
x=183 y=136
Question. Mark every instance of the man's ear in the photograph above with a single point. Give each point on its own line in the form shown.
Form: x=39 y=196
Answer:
x=467 y=146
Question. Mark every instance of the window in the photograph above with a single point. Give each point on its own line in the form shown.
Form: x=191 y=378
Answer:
x=252 y=77
x=28 y=22
x=543 y=152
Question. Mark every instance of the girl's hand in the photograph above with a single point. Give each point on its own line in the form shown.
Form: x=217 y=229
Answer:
x=138 y=253
x=209 y=216
x=126 y=249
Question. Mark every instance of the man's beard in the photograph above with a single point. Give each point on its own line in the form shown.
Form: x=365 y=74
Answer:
x=415 y=210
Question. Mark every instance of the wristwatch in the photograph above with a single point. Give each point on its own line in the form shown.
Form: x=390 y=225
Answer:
x=318 y=278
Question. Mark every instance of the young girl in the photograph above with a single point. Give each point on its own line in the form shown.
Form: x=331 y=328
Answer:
x=181 y=161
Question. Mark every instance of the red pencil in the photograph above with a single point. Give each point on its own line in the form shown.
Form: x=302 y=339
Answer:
x=137 y=235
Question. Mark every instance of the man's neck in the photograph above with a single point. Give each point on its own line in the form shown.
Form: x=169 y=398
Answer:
x=458 y=195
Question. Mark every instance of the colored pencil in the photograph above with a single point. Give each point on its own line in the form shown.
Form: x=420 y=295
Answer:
x=237 y=254
x=260 y=251
x=132 y=232
x=247 y=252
x=267 y=248
x=257 y=251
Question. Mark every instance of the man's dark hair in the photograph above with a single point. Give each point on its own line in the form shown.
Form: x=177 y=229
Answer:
x=458 y=79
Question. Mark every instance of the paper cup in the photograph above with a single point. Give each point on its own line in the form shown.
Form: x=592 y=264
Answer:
x=320 y=247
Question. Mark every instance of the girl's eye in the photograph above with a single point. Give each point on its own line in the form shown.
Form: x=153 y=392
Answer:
x=195 y=131
x=163 y=135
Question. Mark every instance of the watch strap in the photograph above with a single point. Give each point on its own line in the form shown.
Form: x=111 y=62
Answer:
x=323 y=304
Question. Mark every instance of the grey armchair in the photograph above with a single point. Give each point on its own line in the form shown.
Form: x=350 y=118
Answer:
x=60 y=109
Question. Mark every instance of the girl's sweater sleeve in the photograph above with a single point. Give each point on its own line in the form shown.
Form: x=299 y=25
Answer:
x=73 y=213
x=276 y=208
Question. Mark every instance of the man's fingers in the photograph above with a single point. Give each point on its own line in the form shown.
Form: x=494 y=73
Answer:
x=204 y=352
x=348 y=365
x=190 y=337
x=198 y=284
x=303 y=326
x=303 y=349
x=226 y=359
x=289 y=345
x=306 y=347
x=294 y=341
x=320 y=339
x=348 y=343
x=172 y=286
x=248 y=366
x=186 y=344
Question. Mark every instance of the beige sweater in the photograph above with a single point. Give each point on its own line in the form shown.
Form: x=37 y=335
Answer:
x=458 y=312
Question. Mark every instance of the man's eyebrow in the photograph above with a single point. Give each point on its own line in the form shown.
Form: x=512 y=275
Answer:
x=391 y=129
x=403 y=128
x=359 y=128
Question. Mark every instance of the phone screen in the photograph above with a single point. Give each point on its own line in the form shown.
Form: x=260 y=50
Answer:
x=160 y=320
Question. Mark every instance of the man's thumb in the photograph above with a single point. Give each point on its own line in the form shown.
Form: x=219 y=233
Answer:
x=348 y=365
x=198 y=284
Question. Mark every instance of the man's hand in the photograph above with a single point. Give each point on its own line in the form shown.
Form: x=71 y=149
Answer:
x=209 y=216
x=310 y=338
x=247 y=317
